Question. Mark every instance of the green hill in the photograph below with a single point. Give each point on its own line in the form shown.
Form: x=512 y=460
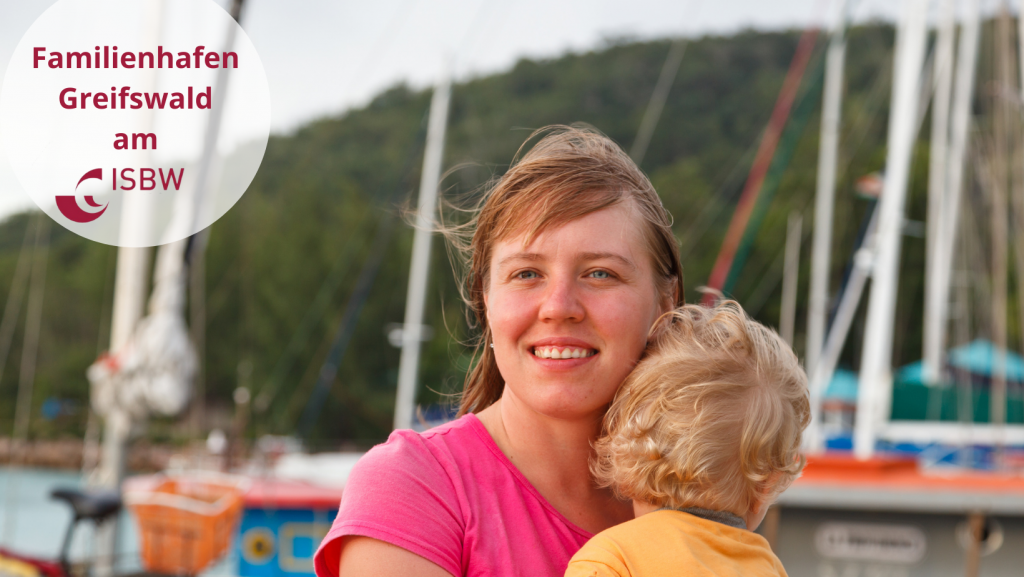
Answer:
x=306 y=225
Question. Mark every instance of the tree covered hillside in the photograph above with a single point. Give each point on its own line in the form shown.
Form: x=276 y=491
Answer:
x=282 y=264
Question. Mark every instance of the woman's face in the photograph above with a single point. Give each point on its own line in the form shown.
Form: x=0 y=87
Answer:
x=569 y=313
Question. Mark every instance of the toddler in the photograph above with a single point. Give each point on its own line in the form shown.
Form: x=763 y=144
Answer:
x=702 y=436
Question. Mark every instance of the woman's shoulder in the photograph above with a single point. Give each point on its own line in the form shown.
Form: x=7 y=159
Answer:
x=441 y=450
x=466 y=428
x=409 y=492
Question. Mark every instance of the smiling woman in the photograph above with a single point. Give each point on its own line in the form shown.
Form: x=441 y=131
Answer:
x=568 y=174
x=571 y=259
x=584 y=287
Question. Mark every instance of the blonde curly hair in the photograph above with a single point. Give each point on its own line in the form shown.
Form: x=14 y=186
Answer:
x=712 y=416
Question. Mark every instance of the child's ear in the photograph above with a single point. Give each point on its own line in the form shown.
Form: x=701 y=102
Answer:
x=772 y=487
x=756 y=513
x=765 y=498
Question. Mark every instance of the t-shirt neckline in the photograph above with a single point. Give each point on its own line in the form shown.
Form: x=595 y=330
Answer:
x=478 y=427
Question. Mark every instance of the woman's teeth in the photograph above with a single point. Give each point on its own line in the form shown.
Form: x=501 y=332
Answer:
x=562 y=353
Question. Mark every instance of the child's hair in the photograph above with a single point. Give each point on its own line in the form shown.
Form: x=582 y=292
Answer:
x=710 y=417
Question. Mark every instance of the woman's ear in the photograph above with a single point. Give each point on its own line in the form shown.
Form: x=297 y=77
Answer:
x=668 y=301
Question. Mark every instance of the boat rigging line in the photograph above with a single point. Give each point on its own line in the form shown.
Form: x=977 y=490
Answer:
x=660 y=95
x=314 y=313
x=791 y=135
x=27 y=377
x=357 y=299
x=762 y=162
x=354 y=306
x=15 y=296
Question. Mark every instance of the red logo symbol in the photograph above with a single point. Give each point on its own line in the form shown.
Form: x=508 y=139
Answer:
x=68 y=206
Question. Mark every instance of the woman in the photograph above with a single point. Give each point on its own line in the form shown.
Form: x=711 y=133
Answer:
x=571 y=260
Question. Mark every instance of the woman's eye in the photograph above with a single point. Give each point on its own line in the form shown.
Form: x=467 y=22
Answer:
x=526 y=275
x=600 y=274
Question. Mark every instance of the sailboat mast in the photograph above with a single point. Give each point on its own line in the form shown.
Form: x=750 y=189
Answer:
x=128 y=307
x=168 y=297
x=935 y=293
x=814 y=437
x=412 y=330
x=876 y=371
x=963 y=92
x=825 y=195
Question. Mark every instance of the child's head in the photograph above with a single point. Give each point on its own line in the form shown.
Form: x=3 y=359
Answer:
x=711 y=417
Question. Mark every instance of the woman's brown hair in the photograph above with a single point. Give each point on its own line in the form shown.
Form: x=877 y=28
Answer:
x=570 y=172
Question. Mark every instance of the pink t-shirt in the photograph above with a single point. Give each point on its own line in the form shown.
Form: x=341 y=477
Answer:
x=451 y=496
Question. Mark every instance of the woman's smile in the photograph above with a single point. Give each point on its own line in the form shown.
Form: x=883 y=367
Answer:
x=563 y=353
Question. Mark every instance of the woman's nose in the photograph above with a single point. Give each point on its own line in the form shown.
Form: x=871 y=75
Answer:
x=562 y=301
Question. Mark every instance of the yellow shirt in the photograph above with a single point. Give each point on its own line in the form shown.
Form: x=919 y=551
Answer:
x=678 y=544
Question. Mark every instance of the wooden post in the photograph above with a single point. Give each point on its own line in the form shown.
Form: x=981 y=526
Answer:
x=1006 y=112
x=976 y=525
x=197 y=332
x=771 y=526
x=234 y=453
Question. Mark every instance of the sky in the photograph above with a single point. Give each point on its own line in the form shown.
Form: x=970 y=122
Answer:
x=325 y=56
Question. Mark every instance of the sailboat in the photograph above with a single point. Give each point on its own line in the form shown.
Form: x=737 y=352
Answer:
x=900 y=500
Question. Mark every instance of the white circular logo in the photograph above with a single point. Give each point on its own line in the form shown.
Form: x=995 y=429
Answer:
x=135 y=122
